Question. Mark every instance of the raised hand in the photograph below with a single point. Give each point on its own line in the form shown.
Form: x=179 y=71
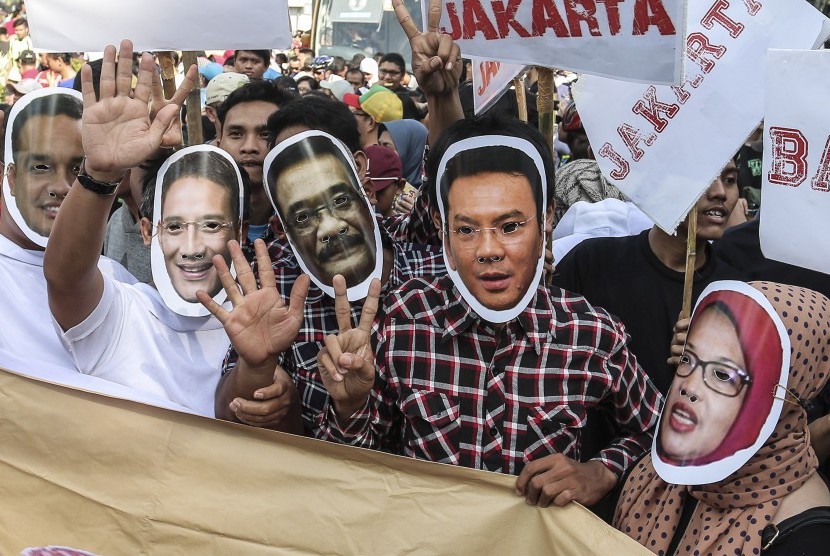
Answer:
x=436 y=58
x=118 y=131
x=261 y=325
x=346 y=363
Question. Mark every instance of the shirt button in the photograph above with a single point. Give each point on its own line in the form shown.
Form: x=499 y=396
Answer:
x=494 y=431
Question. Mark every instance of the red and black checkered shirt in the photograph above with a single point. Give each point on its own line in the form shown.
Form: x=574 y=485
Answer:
x=410 y=261
x=453 y=388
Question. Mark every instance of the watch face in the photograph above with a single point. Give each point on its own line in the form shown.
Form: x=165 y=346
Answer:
x=197 y=210
x=44 y=153
x=314 y=187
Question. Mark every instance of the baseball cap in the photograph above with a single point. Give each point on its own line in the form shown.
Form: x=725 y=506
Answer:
x=24 y=86
x=221 y=86
x=384 y=167
x=27 y=57
x=338 y=88
x=210 y=70
x=379 y=102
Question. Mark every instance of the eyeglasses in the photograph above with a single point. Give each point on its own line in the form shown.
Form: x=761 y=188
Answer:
x=305 y=222
x=507 y=233
x=390 y=73
x=720 y=377
x=177 y=228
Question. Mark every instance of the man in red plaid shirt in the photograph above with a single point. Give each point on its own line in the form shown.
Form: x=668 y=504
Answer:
x=486 y=368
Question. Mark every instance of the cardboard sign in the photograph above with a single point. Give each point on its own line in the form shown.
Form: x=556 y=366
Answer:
x=637 y=40
x=663 y=146
x=491 y=79
x=721 y=406
x=197 y=207
x=109 y=476
x=796 y=172
x=88 y=26
x=313 y=184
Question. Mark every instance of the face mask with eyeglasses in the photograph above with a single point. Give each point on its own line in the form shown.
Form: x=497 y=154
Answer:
x=178 y=227
x=506 y=233
x=718 y=376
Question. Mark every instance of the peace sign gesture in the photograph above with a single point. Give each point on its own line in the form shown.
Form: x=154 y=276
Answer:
x=436 y=59
x=261 y=325
x=346 y=363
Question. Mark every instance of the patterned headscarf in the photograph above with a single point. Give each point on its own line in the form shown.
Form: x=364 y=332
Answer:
x=581 y=180
x=731 y=514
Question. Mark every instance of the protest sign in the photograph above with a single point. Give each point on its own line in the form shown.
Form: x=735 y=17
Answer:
x=110 y=476
x=796 y=169
x=639 y=40
x=663 y=146
x=491 y=79
x=88 y=26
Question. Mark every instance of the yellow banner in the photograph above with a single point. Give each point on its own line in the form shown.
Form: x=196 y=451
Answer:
x=113 y=477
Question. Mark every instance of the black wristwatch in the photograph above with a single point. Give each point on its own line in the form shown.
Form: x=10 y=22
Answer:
x=99 y=187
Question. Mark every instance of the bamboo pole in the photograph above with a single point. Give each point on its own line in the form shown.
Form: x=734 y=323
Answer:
x=195 y=135
x=521 y=97
x=691 y=256
x=168 y=73
x=547 y=119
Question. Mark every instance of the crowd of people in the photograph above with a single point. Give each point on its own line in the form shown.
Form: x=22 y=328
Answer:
x=350 y=255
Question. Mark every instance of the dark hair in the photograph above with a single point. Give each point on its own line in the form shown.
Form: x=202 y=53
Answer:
x=58 y=104
x=320 y=113
x=490 y=158
x=396 y=59
x=20 y=21
x=3 y=30
x=355 y=70
x=288 y=86
x=265 y=55
x=202 y=164
x=308 y=149
x=95 y=66
x=355 y=61
x=261 y=89
x=281 y=58
x=337 y=64
x=313 y=83
x=229 y=61
x=66 y=57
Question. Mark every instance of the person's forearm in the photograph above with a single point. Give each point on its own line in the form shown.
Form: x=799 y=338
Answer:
x=70 y=265
x=241 y=382
x=444 y=110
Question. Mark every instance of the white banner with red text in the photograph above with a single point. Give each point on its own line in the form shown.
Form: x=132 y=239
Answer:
x=90 y=25
x=663 y=146
x=638 y=40
x=795 y=186
x=491 y=79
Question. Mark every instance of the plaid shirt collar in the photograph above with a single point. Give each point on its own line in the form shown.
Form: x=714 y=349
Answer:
x=536 y=321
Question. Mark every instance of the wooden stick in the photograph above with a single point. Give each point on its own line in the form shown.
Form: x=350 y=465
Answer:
x=168 y=73
x=691 y=255
x=547 y=119
x=521 y=97
x=195 y=135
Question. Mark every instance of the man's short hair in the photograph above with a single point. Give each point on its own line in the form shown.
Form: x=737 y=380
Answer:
x=200 y=164
x=355 y=70
x=263 y=90
x=3 y=30
x=66 y=57
x=95 y=66
x=394 y=58
x=50 y=105
x=337 y=64
x=319 y=113
x=491 y=158
x=308 y=149
x=21 y=21
x=265 y=55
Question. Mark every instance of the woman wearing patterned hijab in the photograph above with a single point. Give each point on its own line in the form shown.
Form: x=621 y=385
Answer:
x=757 y=509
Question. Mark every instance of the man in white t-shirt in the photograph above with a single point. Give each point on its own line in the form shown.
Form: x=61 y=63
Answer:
x=125 y=333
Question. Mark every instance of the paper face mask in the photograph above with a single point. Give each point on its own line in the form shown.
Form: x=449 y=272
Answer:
x=492 y=196
x=721 y=407
x=44 y=153
x=312 y=182
x=197 y=209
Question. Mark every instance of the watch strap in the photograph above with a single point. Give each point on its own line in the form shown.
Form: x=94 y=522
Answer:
x=99 y=187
